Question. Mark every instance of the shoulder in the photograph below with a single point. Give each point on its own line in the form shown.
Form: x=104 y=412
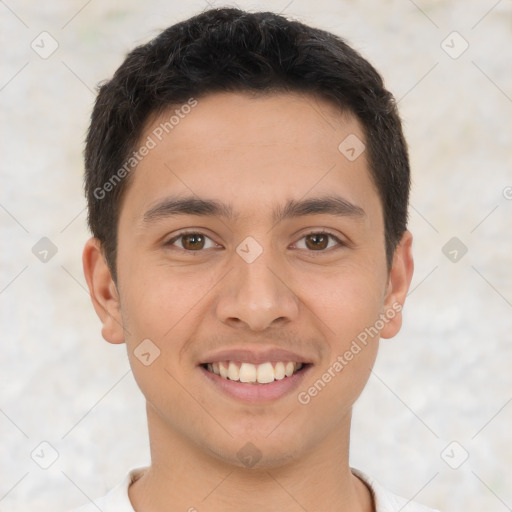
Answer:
x=117 y=499
x=386 y=501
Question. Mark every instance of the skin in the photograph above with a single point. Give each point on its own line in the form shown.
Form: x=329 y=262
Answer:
x=253 y=152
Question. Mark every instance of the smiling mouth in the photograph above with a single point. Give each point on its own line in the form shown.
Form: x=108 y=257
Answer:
x=249 y=373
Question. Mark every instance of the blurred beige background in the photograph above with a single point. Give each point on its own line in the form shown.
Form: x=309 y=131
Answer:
x=441 y=390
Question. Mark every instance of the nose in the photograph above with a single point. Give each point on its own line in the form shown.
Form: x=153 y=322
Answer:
x=256 y=295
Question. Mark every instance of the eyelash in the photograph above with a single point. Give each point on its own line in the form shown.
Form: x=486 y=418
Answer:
x=314 y=232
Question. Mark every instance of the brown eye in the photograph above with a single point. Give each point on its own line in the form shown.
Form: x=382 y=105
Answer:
x=194 y=241
x=191 y=242
x=317 y=242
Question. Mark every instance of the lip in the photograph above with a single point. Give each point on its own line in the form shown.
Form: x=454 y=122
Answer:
x=254 y=356
x=256 y=393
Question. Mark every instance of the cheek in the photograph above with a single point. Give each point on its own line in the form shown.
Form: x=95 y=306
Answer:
x=160 y=306
x=164 y=312
x=349 y=305
x=158 y=301
x=347 y=301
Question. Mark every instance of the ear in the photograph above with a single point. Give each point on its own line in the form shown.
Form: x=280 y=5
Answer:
x=399 y=281
x=103 y=290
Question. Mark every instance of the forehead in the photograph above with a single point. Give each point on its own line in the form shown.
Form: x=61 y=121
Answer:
x=226 y=119
x=252 y=149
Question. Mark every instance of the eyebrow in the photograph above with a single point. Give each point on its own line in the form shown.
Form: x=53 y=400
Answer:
x=327 y=205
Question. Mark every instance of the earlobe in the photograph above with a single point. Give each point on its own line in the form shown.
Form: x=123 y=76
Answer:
x=103 y=290
x=399 y=281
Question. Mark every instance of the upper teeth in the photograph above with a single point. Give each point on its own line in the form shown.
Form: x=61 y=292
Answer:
x=248 y=372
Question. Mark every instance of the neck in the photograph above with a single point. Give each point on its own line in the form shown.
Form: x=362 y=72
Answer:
x=183 y=476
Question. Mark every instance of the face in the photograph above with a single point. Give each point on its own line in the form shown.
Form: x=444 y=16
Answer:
x=250 y=248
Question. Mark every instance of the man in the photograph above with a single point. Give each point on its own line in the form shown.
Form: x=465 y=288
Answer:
x=247 y=182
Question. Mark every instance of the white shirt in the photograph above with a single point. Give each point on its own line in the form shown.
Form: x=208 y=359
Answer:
x=117 y=499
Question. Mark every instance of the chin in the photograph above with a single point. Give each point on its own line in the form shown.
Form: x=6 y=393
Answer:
x=258 y=452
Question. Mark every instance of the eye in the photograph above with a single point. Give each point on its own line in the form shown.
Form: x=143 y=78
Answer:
x=319 y=241
x=192 y=241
